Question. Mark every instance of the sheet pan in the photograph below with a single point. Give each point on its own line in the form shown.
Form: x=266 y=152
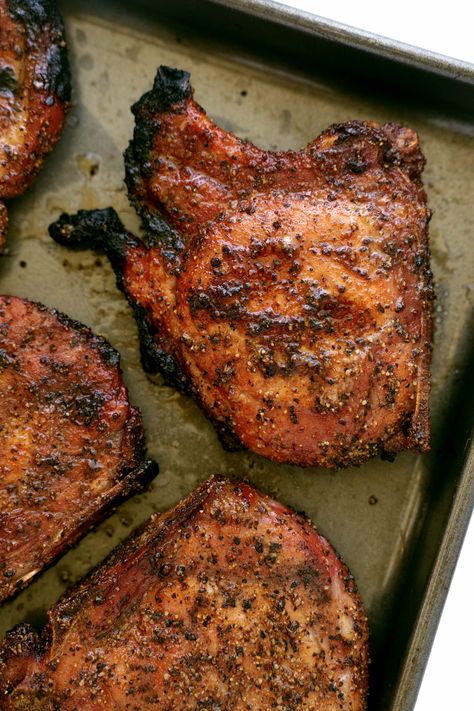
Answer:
x=398 y=525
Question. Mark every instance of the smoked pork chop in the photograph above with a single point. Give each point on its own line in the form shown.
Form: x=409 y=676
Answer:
x=34 y=92
x=290 y=292
x=70 y=443
x=229 y=601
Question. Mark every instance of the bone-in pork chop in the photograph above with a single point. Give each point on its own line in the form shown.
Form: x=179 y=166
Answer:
x=290 y=292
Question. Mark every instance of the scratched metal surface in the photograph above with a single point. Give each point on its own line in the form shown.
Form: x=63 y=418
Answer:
x=372 y=514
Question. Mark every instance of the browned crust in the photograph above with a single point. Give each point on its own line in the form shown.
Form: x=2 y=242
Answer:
x=34 y=91
x=71 y=446
x=30 y=662
x=217 y=210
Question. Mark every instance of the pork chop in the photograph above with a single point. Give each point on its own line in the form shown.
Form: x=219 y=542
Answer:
x=229 y=601
x=289 y=292
x=71 y=445
x=34 y=92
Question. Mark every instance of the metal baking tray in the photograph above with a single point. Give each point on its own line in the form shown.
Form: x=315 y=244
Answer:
x=277 y=77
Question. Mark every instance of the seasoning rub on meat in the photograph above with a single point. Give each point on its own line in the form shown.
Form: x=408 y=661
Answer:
x=289 y=292
x=34 y=92
x=71 y=445
x=229 y=601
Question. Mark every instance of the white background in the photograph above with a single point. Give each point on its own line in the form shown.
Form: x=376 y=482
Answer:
x=446 y=28
x=443 y=27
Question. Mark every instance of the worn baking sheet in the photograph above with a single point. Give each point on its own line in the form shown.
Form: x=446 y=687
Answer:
x=375 y=515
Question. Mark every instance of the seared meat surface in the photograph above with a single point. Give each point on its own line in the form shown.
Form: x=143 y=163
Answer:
x=290 y=292
x=70 y=443
x=34 y=92
x=229 y=601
